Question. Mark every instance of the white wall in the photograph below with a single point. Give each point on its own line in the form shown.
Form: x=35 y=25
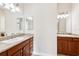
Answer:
x=45 y=27
x=75 y=18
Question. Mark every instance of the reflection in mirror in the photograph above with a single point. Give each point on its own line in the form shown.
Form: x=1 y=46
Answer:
x=29 y=23
x=15 y=20
x=13 y=7
x=11 y=11
x=20 y=23
x=2 y=23
x=64 y=20
x=2 y=26
x=25 y=23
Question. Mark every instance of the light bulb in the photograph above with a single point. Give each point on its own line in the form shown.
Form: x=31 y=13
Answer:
x=66 y=15
x=11 y=5
x=1 y=4
x=13 y=10
x=63 y=16
x=7 y=6
x=17 y=9
x=59 y=16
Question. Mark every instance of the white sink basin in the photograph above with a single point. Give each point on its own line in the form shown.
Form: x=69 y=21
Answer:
x=9 y=41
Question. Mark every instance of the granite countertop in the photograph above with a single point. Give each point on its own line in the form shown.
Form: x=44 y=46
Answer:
x=68 y=35
x=7 y=44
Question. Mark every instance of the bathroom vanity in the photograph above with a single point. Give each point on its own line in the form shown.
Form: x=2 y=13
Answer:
x=68 y=44
x=19 y=46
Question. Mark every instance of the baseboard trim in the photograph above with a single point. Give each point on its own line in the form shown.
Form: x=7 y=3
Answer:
x=41 y=54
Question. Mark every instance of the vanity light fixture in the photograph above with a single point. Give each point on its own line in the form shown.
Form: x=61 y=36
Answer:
x=17 y=9
x=1 y=4
x=13 y=10
x=7 y=6
x=13 y=7
x=62 y=16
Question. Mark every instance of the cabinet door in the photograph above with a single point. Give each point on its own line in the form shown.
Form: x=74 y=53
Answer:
x=26 y=50
x=78 y=47
x=18 y=53
x=73 y=47
x=59 y=45
x=62 y=45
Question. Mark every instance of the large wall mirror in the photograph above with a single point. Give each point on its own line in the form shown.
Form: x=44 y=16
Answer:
x=14 y=18
x=68 y=18
x=64 y=20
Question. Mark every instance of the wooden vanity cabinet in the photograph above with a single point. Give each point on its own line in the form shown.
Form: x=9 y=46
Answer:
x=68 y=46
x=22 y=49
